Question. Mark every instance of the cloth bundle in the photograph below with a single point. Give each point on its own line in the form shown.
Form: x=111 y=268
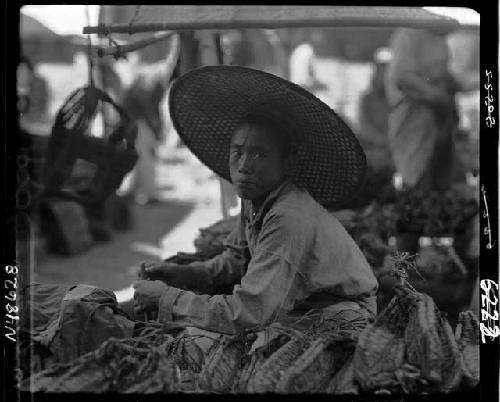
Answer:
x=69 y=321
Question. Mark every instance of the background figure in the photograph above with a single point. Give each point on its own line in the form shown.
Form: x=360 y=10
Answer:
x=302 y=70
x=142 y=103
x=25 y=74
x=33 y=93
x=423 y=118
x=142 y=100
x=374 y=113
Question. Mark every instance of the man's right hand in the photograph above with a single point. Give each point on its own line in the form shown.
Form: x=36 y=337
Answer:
x=172 y=274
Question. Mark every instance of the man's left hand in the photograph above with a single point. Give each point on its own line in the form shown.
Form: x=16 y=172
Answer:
x=147 y=295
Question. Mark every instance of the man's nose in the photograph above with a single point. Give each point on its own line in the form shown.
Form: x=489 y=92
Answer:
x=245 y=164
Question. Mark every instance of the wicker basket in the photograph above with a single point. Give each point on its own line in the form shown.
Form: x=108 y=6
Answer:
x=105 y=160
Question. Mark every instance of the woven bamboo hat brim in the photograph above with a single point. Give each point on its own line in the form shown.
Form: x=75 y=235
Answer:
x=207 y=104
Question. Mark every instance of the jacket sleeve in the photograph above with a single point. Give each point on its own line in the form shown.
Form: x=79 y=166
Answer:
x=267 y=290
x=225 y=270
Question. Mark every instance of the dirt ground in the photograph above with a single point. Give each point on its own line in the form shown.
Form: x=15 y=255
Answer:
x=191 y=201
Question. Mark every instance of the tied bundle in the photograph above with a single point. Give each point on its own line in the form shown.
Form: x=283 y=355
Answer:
x=411 y=348
x=257 y=358
x=314 y=368
x=114 y=367
x=431 y=347
x=380 y=349
x=223 y=363
x=272 y=371
x=468 y=340
x=81 y=167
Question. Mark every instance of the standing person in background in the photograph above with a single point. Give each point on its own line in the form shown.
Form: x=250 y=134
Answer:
x=33 y=94
x=374 y=113
x=302 y=70
x=142 y=101
x=423 y=119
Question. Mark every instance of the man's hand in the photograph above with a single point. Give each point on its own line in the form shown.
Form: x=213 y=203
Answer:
x=147 y=295
x=164 y=271
x=176 y=275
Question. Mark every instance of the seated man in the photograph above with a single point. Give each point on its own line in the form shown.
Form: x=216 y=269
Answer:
x=285 y=153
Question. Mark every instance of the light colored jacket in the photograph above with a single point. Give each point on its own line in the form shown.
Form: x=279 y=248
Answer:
x=289 y=257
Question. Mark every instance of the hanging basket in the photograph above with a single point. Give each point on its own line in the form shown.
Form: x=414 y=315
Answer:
x=79 y=166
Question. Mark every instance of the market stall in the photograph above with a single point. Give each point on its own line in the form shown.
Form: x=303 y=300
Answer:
x=411 y=347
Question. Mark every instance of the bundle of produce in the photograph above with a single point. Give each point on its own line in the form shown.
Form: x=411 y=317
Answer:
x=270 y=373
x=431 y=347
x=343 y=382
x=435 y=213
x=315 y=367
x=211 y=238
x=300 y=355
x=379 y=353
x=437 y=260
x=186 y=353
x=376 y=218
x=188 y=358
x=157 y=358
x=410 y=348
x=468 y=340
x=371 y=229
x=224 y=362
x=257 y=357
x=113 y=367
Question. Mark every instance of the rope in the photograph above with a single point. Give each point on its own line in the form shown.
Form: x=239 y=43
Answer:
x=130 y=24
x=89 y=51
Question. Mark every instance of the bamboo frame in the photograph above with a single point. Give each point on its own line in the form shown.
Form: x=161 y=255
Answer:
x=276 y=24
x=118 y=51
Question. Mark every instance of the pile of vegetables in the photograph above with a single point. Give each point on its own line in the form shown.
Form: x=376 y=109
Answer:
x=409 y=348
x=434 y=213
x=382 y=228
x=211 y=239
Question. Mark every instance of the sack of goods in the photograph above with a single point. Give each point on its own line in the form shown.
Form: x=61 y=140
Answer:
x=68 y=322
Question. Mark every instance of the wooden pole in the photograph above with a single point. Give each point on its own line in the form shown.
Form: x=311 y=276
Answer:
x=274 y=24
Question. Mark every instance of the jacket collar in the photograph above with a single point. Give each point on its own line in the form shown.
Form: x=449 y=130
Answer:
x=253 y=216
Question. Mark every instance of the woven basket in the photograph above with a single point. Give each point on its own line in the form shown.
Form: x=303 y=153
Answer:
x=70 y=141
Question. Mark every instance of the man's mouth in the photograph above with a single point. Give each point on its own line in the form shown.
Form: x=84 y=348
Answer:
x=244 y=182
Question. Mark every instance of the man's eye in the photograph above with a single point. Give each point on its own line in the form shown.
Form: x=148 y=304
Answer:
x=258 y=155
x=236 y=152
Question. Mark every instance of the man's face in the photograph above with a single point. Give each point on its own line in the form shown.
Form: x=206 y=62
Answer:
x=256 y=163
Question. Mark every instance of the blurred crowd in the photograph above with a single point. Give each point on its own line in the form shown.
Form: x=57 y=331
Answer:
x=387 y=88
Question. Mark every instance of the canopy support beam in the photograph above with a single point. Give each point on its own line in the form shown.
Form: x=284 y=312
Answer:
x=103 y=29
